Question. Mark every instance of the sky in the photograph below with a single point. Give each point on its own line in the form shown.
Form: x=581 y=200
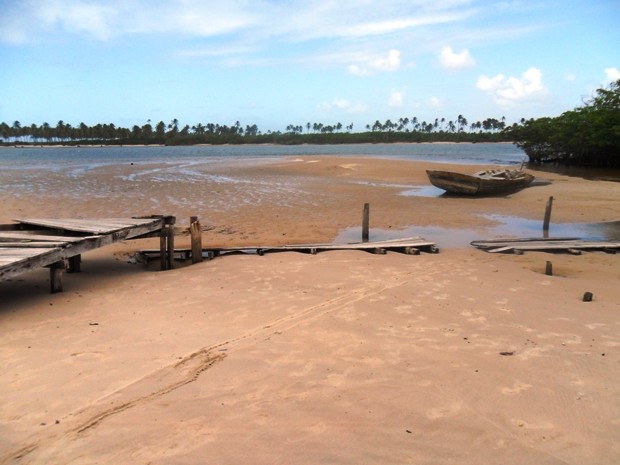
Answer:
x=276 y=63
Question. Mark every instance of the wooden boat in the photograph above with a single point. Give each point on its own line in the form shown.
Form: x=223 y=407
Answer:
x=486 y=182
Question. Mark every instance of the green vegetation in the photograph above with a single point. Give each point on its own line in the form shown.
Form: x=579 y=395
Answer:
x=404 y=130
x=589 y=135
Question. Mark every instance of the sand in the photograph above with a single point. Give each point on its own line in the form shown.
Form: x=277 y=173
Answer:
x=342 y=357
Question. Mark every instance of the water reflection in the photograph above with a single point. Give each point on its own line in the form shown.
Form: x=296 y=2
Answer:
x=507 y=227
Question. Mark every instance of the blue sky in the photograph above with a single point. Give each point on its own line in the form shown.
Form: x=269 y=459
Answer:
x=280 y=62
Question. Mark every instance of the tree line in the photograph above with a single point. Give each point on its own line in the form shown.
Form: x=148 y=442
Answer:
x=402 y=130
x=588 y=135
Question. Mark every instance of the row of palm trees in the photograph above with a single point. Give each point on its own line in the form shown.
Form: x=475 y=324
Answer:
x=162 y=132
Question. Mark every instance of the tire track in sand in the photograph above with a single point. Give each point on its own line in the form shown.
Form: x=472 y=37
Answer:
x=188 y=370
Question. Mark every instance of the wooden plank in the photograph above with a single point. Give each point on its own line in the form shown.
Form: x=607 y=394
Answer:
x=30 y=245
x=542 y=245
x=17 y=258
x=91 y=226
x=35 y=236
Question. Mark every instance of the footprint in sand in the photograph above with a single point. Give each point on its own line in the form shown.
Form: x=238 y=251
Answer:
x=516 y=388
x=473 y=316
x=442 y=412
x=526 y=425
x=88 y=356
x=404 y=309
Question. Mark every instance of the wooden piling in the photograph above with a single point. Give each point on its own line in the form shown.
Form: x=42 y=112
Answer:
x=196 y=238
x=547 y=217
x=166 y=244
x=163 y=241
x=549 y=269
x=366 y=223
x=56 y=270
x=170 y=247
x=75 y=264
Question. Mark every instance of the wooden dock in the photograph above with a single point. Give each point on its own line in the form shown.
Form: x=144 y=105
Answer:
x=29 y=244
x=410 y=246
x=561 y=244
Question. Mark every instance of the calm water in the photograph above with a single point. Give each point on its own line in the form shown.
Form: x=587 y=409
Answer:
x=44 y=164
x=90 y=157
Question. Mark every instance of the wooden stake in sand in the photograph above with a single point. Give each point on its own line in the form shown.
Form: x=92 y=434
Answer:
x=166 y=244
x=549 y=269
x=56 y=270
x=196 y=237
x=547 y=217
x=365 y=222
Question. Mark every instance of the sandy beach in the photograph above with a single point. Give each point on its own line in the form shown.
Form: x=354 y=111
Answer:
x=343 y=357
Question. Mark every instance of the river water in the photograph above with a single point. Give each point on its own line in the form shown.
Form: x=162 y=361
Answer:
x=34 y=167
x=56 y=157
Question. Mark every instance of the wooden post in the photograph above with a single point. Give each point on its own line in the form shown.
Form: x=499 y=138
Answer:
x=549 y=269
x=196 y=237
x=170 y=247
x=166 y=243
x=163 y=240
x=56 y=270
x=365 y=222
x=75 y=264
x=547 y=217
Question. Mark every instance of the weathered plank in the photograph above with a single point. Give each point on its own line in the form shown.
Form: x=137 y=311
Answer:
x=25 y=250
x=18 y=235
x=410 y=246
x=90 y=226
x=558 y=244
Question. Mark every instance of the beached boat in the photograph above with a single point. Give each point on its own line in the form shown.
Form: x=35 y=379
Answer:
x=486 y=182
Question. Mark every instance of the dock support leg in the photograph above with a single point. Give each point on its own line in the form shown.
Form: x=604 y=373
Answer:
x=170 y=251
x=196 y=238
x=366 y=222
x=56 y=270
x=547 y=218
x=166 y=244
x=163 y=240
x=75 y=264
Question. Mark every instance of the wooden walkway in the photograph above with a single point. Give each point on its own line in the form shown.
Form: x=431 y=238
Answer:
x=560 y=244
x=33 y=243
x=410 y=246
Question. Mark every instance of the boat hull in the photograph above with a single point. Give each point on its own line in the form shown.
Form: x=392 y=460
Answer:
x=466 y=184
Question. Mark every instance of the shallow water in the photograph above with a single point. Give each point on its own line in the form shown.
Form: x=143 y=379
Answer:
x=508 y=227
x=92 y=157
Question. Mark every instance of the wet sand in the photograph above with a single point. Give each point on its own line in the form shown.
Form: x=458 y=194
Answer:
x=341 y=357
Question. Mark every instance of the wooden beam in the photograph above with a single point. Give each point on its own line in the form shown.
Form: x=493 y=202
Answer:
x=56 y=270
x=366 y=223
x=196 y=239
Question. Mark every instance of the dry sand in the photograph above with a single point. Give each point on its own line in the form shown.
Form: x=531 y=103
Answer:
x=341 y=357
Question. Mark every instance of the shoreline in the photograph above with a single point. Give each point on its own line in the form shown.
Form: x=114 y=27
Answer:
x=329 y=358
x=22 y=146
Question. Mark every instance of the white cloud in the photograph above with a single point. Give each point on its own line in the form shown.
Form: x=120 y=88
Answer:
x=436 y=102
x=369 y=65
x=612 y=74
x=396 y=99
x=262 y=19
x=452 y=60
x=507 y=91
x=343 y=105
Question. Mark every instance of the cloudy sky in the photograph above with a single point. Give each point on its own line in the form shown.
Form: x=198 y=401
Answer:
x=280 y=62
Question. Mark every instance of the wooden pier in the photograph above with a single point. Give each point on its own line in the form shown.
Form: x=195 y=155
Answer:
x=409 y=246
x=561 y=244
x=29 y=244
